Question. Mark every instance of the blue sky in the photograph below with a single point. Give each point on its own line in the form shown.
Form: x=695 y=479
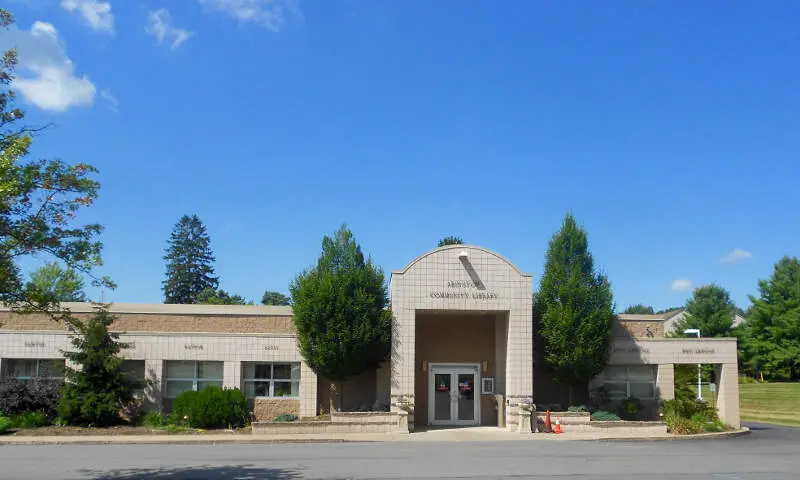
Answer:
x=669 y=128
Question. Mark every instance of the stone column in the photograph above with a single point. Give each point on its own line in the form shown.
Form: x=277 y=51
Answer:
x=728 y=393
x=232 y=375
x=154 y=384
x=665 y=382
x=403 y=356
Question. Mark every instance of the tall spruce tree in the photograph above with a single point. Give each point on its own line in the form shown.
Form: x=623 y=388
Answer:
x=343 y=324
x=710 y=309
x=190 y=262
x=576 y=307
x=98 y=390
x=771 y=337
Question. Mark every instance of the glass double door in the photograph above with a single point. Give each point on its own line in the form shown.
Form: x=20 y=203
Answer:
x=453 y=396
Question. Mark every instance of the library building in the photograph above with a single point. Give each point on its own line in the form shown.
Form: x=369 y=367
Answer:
x=464 y=351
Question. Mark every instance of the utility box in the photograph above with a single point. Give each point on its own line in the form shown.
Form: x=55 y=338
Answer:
x=500 y=408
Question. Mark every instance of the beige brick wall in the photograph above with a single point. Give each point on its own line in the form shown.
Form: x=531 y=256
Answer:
x=638 y=329
x=267 y=409
x=155 y=322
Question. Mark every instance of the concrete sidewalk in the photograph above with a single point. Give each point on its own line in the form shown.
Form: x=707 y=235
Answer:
x=479 y=434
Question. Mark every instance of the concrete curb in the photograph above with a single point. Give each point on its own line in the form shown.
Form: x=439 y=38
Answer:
x=671 y=438
x=300 y=439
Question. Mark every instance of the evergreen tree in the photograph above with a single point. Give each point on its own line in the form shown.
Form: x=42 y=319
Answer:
x=190 y=262
x=711 y=310
x=639 y=309
x=451 y=240
x=96 y=391
x=210 y=296
x=340 y=311
x=771 y=337
x=275 y=298
x=56 y=284
x=576 y=307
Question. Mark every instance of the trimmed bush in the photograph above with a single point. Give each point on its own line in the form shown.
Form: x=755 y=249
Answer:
x=211 y=407
x=604 y=416
x=5 y=425
x=31 y=420
x=18 y=397
x=577 y=408
x=286 y=417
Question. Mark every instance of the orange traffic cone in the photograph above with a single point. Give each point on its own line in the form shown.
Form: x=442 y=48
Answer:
x=558 y=426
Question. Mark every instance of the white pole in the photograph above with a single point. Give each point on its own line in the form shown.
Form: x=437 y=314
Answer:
x=699 y=381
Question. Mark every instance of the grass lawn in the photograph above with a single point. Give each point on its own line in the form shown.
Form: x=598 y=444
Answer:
x=770 y=402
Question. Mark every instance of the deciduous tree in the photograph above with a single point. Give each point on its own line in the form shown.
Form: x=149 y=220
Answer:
x=275 y=298
x=576 y=307
x=56 y=284
x=190 y=262
x=39 y=203
x=210 y=296
x=711 y=310
x=639 y=309
x=340 y=311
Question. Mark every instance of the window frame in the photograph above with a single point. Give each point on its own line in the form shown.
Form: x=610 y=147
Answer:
x=36 y=375
x=196 y=379
x=628 y=381
x=271 y=380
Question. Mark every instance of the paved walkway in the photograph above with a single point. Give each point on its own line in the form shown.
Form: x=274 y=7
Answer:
x=475 y=434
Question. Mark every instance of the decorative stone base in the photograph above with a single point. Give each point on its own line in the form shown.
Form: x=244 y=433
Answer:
x=341 y=422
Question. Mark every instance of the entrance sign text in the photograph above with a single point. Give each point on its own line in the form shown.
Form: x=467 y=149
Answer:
x=467 y=289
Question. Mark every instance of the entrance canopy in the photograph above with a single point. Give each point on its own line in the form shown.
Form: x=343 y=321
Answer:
x=469 y=280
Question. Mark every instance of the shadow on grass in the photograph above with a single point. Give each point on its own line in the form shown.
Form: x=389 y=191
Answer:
x=227 y=472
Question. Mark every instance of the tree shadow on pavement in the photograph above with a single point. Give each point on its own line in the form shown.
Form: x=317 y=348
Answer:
x=227 y=472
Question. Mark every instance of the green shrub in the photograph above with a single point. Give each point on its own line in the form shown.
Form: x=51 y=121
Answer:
x=31 y=420
x=630 y=408
x=604 y=416
x=286 y=417
x=682 y=425
x=577 y=408
x=5 y=425
x=211 y=407
x=744 y=379
x=34 y=395
x=155 y=419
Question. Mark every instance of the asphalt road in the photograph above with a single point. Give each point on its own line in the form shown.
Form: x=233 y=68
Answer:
x=769 y=452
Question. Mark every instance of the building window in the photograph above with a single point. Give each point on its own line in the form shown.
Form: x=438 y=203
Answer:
x=263 y=379
x=134 y=370
x=24 y=369
x=630 y=381
x=182 y=376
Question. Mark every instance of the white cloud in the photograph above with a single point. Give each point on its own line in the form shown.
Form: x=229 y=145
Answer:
x=681 y=285
x=46 y=77
x=269 y=13
x=97 y=14
x=736 y=255
x=160 y=26
x=113 y=103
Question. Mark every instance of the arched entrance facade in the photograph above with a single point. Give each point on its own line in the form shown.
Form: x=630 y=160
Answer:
x=462 y=346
